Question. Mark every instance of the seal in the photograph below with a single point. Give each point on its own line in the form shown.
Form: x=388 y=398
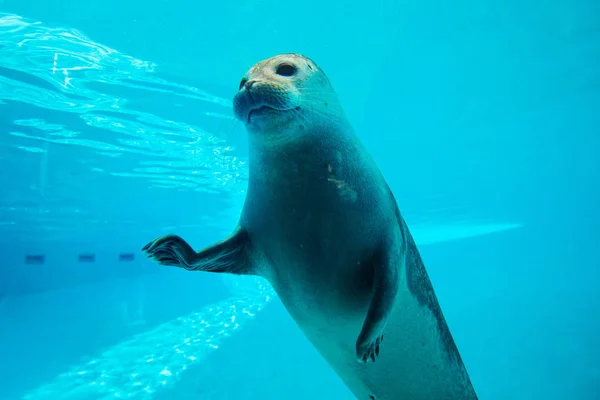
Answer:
x=322 y=226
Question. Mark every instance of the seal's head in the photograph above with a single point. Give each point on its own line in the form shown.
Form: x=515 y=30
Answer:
x=284 y=92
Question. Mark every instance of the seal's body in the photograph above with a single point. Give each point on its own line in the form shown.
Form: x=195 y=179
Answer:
x=321 y=224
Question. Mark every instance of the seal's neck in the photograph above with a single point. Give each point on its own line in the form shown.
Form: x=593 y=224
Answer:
x=299 y=138
x=302 y=155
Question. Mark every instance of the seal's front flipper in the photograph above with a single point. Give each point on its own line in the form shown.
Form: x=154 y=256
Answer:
x=385 y=286
x=229 y=255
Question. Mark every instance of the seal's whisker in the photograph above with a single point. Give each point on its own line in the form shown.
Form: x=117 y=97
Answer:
x=329 y=116
x=235 y=124
x=300 y=117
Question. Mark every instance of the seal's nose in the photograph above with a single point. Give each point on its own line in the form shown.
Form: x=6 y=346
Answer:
x=249 y=84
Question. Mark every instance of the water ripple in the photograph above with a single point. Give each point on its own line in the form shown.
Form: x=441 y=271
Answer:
x=62 y=70
x=74 y=111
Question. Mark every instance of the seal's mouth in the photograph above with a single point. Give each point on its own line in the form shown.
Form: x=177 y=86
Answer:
x=264 y=110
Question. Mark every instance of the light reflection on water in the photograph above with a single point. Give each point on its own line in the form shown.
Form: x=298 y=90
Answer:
x=156 y=359
x=76 y=112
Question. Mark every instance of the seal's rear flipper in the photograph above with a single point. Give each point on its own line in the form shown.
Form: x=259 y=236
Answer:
x=228 y=256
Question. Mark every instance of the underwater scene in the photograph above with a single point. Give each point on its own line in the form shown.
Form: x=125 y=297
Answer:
x=258 y=199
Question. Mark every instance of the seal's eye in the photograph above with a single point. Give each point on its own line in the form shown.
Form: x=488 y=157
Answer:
x=243 y=82
x=286 y=70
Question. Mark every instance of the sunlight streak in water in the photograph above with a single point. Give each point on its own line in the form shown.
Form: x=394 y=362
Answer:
x=155 y=360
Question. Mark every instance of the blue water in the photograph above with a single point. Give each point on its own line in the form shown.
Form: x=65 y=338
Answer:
x=116 y=127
